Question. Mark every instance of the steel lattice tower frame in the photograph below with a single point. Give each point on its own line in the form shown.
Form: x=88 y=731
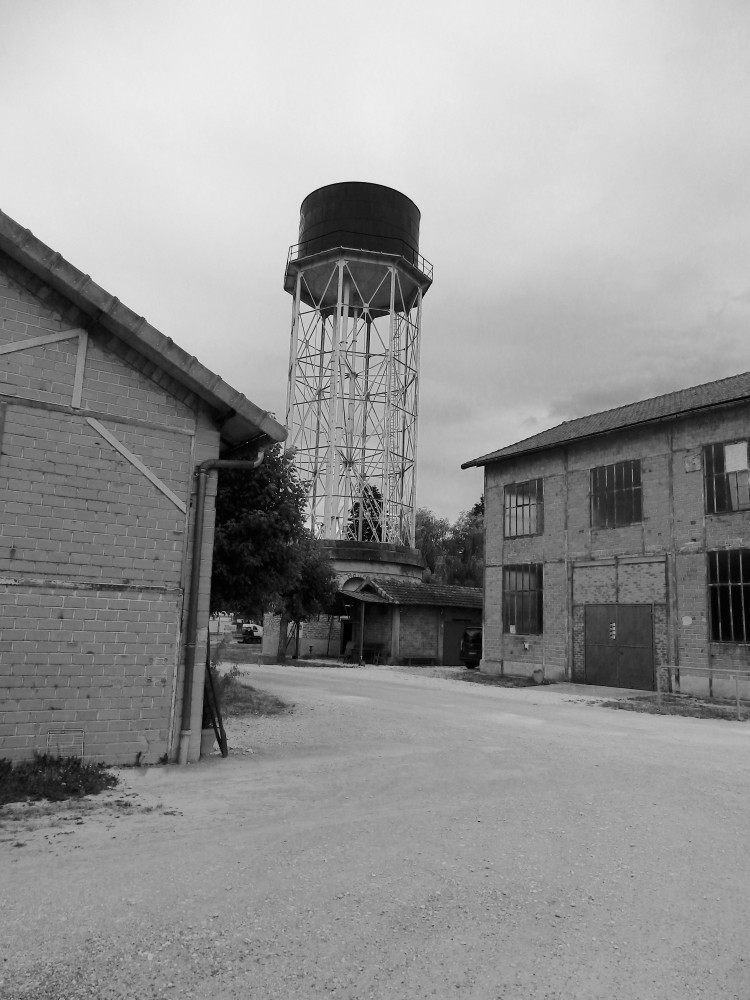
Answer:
x=353 y=389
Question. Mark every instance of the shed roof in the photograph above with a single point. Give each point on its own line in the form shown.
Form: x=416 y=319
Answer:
x=723 y=392
x=241 y=420
x=414 y=592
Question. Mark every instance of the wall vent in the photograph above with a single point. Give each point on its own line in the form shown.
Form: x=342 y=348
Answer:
x=65 y=743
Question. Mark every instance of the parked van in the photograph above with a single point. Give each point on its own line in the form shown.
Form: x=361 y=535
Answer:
x=252 y=632
x=471 y=647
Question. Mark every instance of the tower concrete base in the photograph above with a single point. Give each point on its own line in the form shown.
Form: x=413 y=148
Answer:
x=353 y=562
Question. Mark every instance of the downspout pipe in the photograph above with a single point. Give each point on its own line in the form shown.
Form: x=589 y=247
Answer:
x=191 y=626
x=361 y=633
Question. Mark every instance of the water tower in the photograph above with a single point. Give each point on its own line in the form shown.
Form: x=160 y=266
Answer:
x=357 y=280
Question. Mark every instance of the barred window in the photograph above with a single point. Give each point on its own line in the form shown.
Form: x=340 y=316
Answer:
x=729 y=595
x=523 y=592
x=616 y=495
x=524 y=508
x=725 y=472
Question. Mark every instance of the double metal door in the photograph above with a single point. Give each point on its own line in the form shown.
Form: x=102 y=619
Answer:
x=620 y=645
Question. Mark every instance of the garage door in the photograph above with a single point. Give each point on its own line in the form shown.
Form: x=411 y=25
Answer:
x=620 y=645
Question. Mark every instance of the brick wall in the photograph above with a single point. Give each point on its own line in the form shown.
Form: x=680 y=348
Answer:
x=101 y=661
x=270 y=643
x=378 y=618
x=93 y=553
x=420 y=632
x=323 y=633
x=77 y=507
x=578 y=666
x=492 y=630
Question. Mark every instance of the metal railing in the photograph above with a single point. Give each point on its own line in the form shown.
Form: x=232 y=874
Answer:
x=351 y=241
x=711 y=673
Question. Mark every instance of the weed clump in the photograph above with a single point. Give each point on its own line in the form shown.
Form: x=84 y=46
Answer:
x=689 y=706
x=237 y=698
x=53 y=778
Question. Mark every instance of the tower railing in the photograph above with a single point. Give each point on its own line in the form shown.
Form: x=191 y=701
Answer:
x=348 y=241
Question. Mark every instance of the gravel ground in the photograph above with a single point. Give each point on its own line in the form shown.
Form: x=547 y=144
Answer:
x=399 y=835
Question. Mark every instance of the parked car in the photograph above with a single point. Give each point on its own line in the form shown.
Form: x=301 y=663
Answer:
x=470 y=652
x=252 y=632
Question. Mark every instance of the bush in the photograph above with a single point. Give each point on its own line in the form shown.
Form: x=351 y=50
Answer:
x=54 y=778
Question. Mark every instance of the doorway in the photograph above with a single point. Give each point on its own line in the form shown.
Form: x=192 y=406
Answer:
x=346 y=635
x=620 y=645
x=453 y=629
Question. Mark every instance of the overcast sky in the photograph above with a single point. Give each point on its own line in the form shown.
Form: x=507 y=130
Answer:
x=582 y=168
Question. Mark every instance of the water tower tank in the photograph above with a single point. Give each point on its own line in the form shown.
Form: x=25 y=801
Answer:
x=359 y=216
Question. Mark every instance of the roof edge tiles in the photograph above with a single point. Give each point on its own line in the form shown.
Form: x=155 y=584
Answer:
x=398 y=590
x=722 y=392
x=242 y=420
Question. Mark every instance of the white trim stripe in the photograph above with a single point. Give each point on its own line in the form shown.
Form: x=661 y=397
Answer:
x=53 y=338
x=134 y=460
x=83 y=339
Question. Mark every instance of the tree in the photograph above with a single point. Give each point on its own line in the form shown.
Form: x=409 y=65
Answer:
x=430 y=535
x=464 y=562
x=264 y=557
x=313 y=590
x=365 y=522
x=454 y=553
x=258 y=521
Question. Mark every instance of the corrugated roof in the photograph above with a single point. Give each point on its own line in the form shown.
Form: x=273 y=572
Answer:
x=736 y=388
x=404 y=591
x=241 y=420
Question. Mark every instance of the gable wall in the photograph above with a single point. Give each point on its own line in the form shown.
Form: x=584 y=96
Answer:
x=92 y=553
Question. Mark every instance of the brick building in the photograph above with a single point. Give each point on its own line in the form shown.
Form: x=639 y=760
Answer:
x=620 y=542
x=106 y=427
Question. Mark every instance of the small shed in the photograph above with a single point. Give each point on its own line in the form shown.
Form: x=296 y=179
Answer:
x=406 y=621
x=110 y=438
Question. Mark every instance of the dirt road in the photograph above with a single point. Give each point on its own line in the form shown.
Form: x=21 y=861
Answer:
x=399 y=836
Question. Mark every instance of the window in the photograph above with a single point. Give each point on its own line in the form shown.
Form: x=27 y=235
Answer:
x=729 y=595
x=524 y=508
x=725 y=471
x=616 y=495
x=522 y=599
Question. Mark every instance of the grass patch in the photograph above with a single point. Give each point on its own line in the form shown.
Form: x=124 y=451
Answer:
x=228 y=649
x=238 y=652
x=679 y=704
x=238 y=698
x=53 y=778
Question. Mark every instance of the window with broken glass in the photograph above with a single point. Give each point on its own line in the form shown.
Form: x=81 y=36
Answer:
x=523 y=593
x=616 y=498
x=524 y=508
x=725 y=472
x=729 y=595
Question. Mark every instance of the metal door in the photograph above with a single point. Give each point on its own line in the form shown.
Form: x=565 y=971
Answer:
x=452 y=632
x=601 y=644
x=620 y=645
